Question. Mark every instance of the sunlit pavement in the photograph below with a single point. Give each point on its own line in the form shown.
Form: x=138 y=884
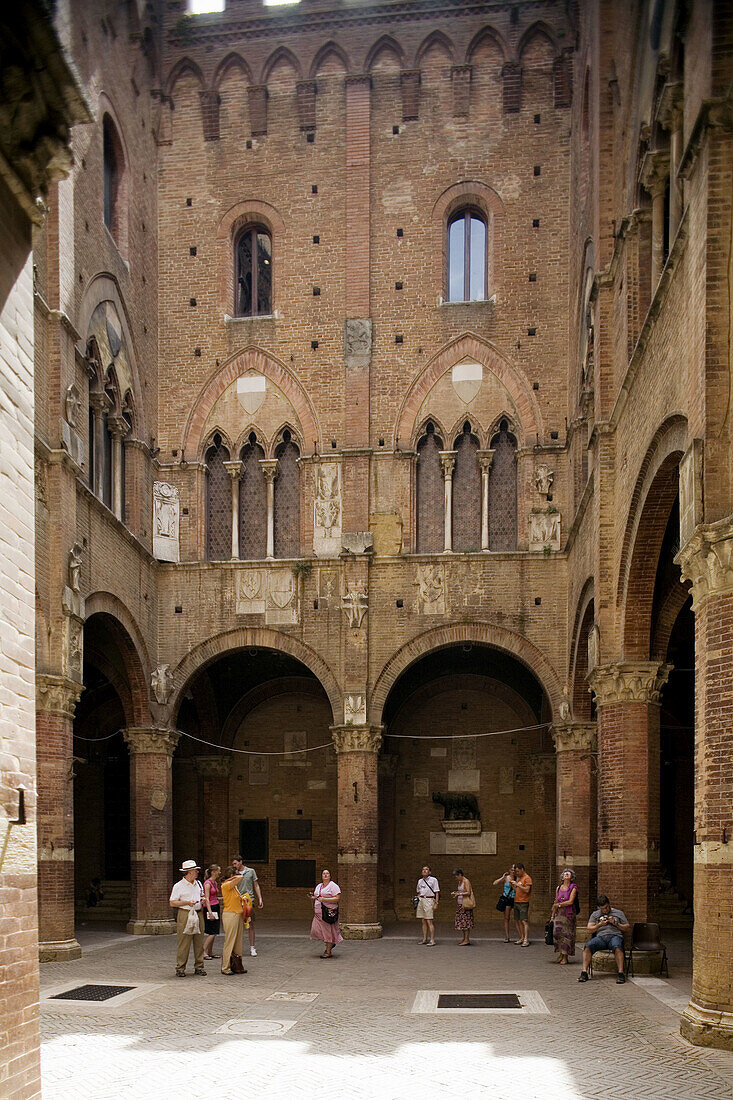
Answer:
x=357 y=1036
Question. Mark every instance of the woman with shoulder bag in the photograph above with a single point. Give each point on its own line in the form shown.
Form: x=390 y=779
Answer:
x=465 y=903
x=505 y=903
x=212 y=925
x=325 y=926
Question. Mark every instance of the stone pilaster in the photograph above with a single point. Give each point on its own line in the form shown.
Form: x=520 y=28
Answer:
x=56 y=699
x=215 y=772
x=707 y=561
x=628 y=700
x=357 y=748
x=151 y=829
x=575 y=746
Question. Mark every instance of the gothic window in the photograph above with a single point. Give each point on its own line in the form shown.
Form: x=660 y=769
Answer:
x=503 y=491
x=253 y=272
x=430 y=493
x=466 y=493
x=115 y=183
x=467 y=256
x=218 y=503
x=252 y=503
x=287 y=500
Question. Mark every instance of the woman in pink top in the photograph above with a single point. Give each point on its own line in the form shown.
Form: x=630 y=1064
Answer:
x=326 y=896
x=212 y=920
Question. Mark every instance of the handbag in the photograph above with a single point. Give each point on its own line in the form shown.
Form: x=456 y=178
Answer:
x=236 y=965
x=415 y=901
x=550 y=933
x=328 y=916
x=502 y=903
x=469 y=902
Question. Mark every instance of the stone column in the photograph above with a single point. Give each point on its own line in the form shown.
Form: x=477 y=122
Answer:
x=448 y=461
x=235 y=470
x=575 y=746
x=119 y=428
x=485 y=459
x=214 y=772
x=151 y=829
x=654 y=175
x=269 y=469
x=56 y=699
x=628 y=701
x=707 y=560
x=100 y=404
x=671 y=117
x=357 y=748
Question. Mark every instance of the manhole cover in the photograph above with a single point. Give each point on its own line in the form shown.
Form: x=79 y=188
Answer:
x=256 y=1027
x=92 y=993
x=479 y=1000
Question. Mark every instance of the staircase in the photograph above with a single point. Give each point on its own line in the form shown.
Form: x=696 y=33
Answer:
x=674 y=911
x=114 y=906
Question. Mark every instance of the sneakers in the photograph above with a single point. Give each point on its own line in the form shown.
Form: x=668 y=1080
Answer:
x=430 y=943
x=584 y=976
x=180 y=973
x=199 y=973
x=621 y=979
x=253 y=952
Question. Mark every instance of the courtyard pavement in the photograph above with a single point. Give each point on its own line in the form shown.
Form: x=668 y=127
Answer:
x=299 y=1026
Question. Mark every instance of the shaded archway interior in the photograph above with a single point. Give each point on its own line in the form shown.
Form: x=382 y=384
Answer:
x=432 y=717
x=254 y=789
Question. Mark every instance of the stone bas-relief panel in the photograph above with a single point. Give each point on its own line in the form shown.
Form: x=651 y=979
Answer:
x=327 y=510
x=430 y=584
x=544 y=531
x=269 y=592
x=166 y=519
x=259 y=771
x=442 y=844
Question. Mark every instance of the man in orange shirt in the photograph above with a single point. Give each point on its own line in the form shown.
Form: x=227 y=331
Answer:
x=522 y=885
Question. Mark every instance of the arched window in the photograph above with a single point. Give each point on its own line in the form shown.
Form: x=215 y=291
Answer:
x=503 y=491
x=218 y=503
x=115 y=183
x=467 y=256
x=430 y=493
x=287 y=500
x=466 y=493
x=252 y=503
x=253 y=272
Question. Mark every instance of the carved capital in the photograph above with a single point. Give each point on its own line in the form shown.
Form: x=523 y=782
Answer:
x=155 y=740
x=655 y=172
x=57 y=695
x=357 y=738
x=485 y=458
x=671 y=104
x=575 y=737
x=628 y=682
x=213 y=767
x=235 y=469
x=707 y=560
x=448 y=462
x=118 y=426
x=269 y=468
x=100 y=402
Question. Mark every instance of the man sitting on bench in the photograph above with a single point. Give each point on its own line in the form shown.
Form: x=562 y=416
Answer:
x=608 y=926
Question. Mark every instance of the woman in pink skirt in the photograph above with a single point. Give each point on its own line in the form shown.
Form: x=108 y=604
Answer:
x=326 y=897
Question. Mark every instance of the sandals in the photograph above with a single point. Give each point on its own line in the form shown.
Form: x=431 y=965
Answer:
x=326 y=955
x=207 y=957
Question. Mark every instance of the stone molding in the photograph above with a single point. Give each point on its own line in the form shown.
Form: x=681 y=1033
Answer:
x=357 y=738
x=628 y=682
x=575 y=737
x=213 y=767
x=57 y=695
x=707 y=561
x=153 y=740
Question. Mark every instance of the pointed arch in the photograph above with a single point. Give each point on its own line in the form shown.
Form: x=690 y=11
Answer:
x=487 y=34
x=278 y=56
x=385 y=44
x=540 y=30
x=328 y=50
x=433 y=40
x=186 y=66
x=233 y=62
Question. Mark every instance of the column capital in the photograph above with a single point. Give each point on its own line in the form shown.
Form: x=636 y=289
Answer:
x=213 y=767
x=234 y=468
x=485 y=458
x=655 y=171
x=575 y=737
x=57 y=694
x=628 y=682
x=706 y=559
x=157 y=740
x=99 y=401
x=357 y=738
x=118 y=426
x=671 y=104
x=269 y=468
x=448 y=462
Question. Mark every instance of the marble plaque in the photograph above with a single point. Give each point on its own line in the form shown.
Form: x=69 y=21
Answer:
x=421 y=787
x=464 y=779
x=441 y=844
x=166 y=510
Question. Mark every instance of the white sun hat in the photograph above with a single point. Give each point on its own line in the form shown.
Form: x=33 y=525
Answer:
x=188 y=865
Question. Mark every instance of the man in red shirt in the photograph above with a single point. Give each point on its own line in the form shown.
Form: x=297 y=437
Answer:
x=522 y=885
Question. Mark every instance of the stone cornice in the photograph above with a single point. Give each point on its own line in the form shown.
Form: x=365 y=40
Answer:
x=157 y=740
x=357 y=738
x=575 y=737
x=628 y=682
x=707 y=560
x=57 y=694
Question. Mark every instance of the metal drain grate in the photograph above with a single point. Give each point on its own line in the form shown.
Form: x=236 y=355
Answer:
x=479 y=1000
x=92 y=993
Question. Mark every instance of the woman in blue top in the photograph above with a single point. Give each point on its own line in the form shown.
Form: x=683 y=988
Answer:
x=509 y=899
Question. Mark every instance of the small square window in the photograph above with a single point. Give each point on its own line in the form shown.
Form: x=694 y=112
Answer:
x=531 y=332
x=248 y=143
x=192 y=301
x=399 y=338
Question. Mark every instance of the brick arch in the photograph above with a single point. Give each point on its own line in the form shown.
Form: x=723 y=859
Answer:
x=584 y=618
x=539 y=30
x=487 y=34
x=233 y=61
x=286 y=685
x=673 y=603
x=470 y=682
x=436 y=38
x=250 y=358
x=472 y=346
x=651 y=502
x=328 y=50
x=253 y=638
x=282 y=53
x=385 y=43
x=476 y=633
x=186 y=66
x=131 y=645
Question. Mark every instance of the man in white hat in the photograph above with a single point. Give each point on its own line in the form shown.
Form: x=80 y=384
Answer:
x=185 y=896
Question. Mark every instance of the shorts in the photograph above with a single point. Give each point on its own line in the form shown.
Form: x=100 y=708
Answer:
x=604 y=943
x=521 y=910
x=425 y=908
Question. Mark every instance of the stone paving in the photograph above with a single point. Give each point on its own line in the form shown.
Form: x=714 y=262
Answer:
x=358 y=1036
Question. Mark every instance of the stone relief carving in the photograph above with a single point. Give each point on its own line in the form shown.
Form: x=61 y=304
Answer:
x=506 y=780
x=594 y=647
x=327 y=510
x=544 y=531
x=41 y=482
x=73 y=650
x=543 y=479
x=72 y=405
x=161 y=681
x=357 y=542
x=357 y=342
x=355 y=604
x=259 y=771
x=430 y=582
x=156 y=740
x=272 y=593
x=638 y=682
x=166 y=510
x=575 y=737
x=294 y=743
x=464 y=752
x=466 y=378
x=357 y=739
x=57 y=695
x=565 y=710
x=354 y=709
x=249 y=592
x=327 y=588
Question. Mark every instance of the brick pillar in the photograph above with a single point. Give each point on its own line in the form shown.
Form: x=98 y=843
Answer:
x=56 y=699
x=707 y=560
x=628 y=701
x=357 y=748
x=215 y=772
x=575 y=745
x=151 y=829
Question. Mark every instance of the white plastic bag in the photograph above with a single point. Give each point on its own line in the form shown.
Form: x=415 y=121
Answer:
x=192 y=924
